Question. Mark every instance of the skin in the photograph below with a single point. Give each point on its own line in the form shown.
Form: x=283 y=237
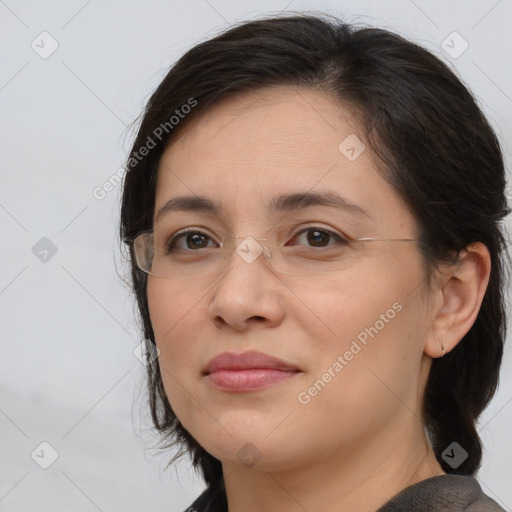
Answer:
x=360 y=440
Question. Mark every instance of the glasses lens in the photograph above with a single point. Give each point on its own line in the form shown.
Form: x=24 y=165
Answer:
x=143 y=248
x=305 y=261
x=155 y=256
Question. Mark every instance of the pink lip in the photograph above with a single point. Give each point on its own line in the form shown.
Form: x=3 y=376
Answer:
x=248 y=371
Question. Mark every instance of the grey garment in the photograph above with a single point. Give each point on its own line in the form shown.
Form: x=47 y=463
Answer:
x=444 y=493
x=449 y=493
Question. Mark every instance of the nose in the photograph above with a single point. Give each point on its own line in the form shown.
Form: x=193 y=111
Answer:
x=249 y=293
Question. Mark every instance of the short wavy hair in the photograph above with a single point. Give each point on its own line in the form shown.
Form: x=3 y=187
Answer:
x=433 y=144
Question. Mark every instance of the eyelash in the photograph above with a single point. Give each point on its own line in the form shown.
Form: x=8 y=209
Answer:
x=171 y=244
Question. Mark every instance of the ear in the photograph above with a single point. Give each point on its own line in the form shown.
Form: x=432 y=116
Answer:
x=458 y=298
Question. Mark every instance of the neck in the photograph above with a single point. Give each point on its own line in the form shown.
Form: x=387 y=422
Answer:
x=361 y=479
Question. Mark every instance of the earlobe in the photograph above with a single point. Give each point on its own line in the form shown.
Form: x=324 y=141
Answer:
x=460 y=298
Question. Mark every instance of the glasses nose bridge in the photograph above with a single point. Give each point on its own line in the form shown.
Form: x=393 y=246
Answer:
x=247 y=248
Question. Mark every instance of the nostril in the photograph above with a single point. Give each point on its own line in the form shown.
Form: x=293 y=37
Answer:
x=219 y=321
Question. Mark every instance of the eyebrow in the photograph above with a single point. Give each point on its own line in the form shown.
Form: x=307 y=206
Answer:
x=281 y=203
x=299 y=200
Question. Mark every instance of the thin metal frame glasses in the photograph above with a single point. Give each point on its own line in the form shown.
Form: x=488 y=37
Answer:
x=167 y=261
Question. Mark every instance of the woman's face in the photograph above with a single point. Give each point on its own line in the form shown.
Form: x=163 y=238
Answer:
x=352 y=340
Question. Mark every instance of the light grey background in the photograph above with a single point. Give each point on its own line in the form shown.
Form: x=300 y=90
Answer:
x=68 y=374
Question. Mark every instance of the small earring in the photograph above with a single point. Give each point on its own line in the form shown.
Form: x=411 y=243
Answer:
x=443 y=349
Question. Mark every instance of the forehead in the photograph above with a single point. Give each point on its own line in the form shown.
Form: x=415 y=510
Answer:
x=279 y=122
x=246 y=149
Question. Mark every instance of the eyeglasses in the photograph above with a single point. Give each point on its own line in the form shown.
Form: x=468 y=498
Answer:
x=193 y=252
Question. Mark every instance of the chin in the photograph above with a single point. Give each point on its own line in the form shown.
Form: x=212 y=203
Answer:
x=258 y=455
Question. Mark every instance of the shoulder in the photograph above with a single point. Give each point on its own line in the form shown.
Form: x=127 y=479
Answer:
x=449 y=493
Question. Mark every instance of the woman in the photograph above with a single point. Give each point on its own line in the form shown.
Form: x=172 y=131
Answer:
x=314 y=212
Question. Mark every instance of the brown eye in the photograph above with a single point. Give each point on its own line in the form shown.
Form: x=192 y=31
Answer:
x=196 y=240
x=192 y=240
x=317 y=237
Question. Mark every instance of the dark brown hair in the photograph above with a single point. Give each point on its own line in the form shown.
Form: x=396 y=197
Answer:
x=436 y=148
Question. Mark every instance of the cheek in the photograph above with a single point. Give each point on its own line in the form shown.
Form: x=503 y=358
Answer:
x=354 y=307
x=365 y=373
x=364 y=328
x=176 y=318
